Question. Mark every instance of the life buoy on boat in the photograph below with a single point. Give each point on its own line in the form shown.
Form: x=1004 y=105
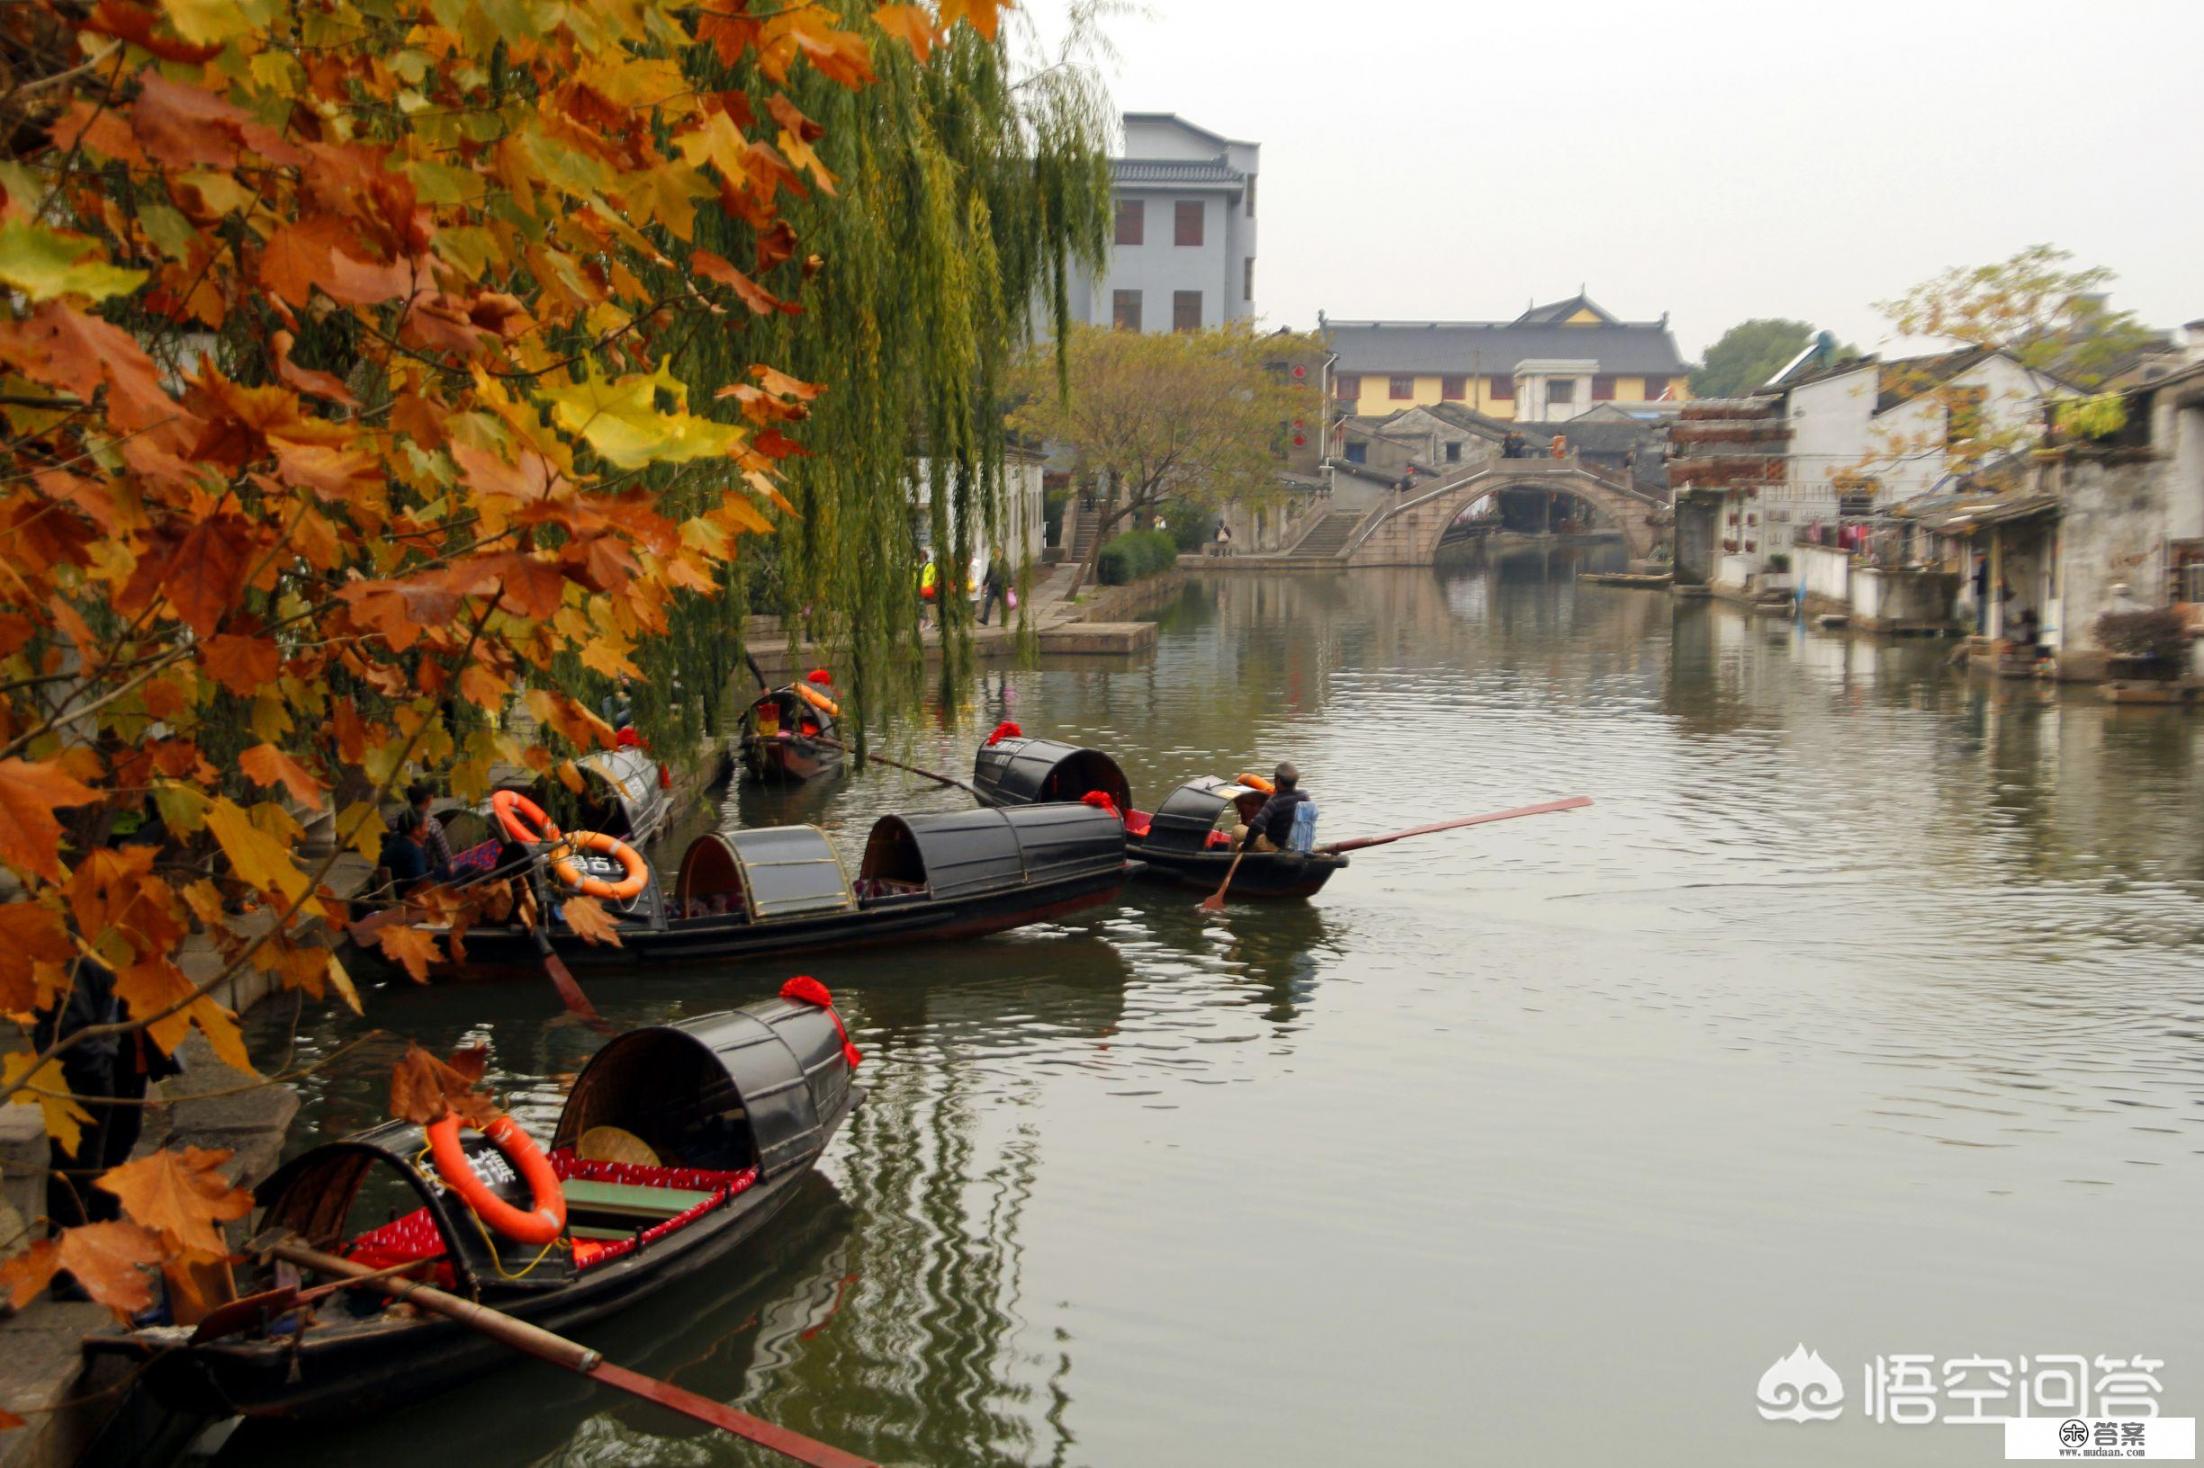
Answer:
x=817 y=700
x=631 y=860
x=521 y=818
x=542 y=1223
x=1255 y=782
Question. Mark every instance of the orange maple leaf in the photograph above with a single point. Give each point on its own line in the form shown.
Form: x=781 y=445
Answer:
x=34 y=946
x=753 y=295
x=109 y=1259
x=181 y=1194
x=411 y=947
x=423 y=1088
x=910 y=24
x=243 y=665
x=30 y=793
x=588 y=918
x=264 y=764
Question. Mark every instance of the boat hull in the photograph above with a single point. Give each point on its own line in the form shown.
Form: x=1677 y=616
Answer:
x=495 y=952
x=1281 y=874
x=787 y=759
x=352 y=1372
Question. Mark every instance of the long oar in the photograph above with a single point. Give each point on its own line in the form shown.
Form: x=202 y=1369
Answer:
x=1214 y=902
x=1574 y=802
x=577 y=1358
x=892 y=764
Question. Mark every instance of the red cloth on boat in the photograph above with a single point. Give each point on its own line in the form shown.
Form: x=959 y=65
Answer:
x=1137 y=822
x=1004 y=730
x=804 y=989
x=414 y=1236
x=1100 y=800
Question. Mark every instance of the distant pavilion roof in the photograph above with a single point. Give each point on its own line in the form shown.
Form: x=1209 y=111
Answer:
x=1635 y=348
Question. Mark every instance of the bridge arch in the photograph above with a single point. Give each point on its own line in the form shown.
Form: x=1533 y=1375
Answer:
x=1408 y=533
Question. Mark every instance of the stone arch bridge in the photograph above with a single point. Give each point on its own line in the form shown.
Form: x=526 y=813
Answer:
x=1407 y=533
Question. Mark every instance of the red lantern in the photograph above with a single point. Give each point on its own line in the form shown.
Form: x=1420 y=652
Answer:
x=1298 y=440
x=1299 y=372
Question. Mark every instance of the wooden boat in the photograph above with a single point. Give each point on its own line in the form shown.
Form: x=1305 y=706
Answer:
x=1179 y=842
x=733 y=1107
x=784 y=890
x=782 y=731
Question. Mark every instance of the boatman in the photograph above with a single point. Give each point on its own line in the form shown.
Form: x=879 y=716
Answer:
x=1272 y=829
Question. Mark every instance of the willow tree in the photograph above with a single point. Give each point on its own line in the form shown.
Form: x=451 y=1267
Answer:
x=944 y=207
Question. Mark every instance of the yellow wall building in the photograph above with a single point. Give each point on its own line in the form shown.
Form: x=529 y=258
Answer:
x=1551 y=363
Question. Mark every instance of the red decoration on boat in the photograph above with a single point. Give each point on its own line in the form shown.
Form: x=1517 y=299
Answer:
x=1100 y=800
x=819 y=675
x=627 y=737
x=1004 y=730
x=804 y=989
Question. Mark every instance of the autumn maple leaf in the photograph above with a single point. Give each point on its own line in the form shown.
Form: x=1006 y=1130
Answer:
x=265 y=764
x=409 y=946
x=588 y=918
x=30 y=793
x=181 y=1194
x=424 y=1089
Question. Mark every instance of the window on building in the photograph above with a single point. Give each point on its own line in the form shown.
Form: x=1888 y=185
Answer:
x=1603 y=389
x=1346 y=387
x=1655 y=389
x=1132 y=221
x=1358 y=452
x=1561 y=391
x=1454 y=452
x=1251 y=196
x=1454 y=389
x=1962 y=414
x=1247 y=279
x=1186 y=310
x=1501 y=389
x=1400 y=388
x=1125 y=310
x=1186 y=222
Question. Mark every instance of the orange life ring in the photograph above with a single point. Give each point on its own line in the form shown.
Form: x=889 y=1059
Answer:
x=511 y=807
x=1255 y=782
x=541 y=1224
x=817 y=700
x=638 y=870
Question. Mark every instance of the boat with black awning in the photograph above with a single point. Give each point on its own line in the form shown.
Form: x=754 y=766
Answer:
x=1182 y=841
x=678 y=1145
x=785 y=890
x=789 y=734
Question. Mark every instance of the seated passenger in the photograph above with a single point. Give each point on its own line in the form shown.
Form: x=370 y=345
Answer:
x=1272 y=828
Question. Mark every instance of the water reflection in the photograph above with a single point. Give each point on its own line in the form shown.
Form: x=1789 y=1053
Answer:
x=1865 y=990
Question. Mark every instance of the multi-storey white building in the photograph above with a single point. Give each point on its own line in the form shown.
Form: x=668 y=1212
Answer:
x=1182 y=253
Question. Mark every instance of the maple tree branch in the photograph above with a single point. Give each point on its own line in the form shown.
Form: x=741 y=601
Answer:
x=283 y=919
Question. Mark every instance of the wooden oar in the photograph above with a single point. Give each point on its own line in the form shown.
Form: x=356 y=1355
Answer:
x=948 y=780
x=1214 y=902
x=575 y=1357
x=1574 y=802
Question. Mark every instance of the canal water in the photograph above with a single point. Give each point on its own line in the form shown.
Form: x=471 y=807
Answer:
x=1864 y=1011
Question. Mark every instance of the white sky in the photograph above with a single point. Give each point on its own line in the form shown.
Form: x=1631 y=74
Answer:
x=1459 y=158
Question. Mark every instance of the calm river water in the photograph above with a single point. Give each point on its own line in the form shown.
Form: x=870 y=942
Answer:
x=1864 y=1011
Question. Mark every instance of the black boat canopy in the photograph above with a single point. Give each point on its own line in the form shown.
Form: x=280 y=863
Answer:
x=1188 y=814
x=959 y=853
x=718 y=1091
x=770 y=873
x=1034 y=771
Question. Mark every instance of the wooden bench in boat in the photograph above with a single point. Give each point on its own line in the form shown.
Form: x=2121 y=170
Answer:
x=614 y=1210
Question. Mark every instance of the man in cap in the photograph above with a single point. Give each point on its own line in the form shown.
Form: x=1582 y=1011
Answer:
x=1272 y=827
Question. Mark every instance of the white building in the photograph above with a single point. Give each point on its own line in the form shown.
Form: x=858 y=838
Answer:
x=1020 y=517
x=1182 y=255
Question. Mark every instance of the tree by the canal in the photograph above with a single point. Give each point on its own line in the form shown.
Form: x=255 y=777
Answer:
x=342 y=414
x=1748 y=354
x=2050 y=315
x=1194 y=416
x=969 y=183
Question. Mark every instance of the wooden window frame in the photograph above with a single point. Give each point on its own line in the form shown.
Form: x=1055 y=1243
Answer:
x=1183 y=210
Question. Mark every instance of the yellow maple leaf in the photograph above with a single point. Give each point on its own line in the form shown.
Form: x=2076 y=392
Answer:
x=258 y=859
x=49 y=1091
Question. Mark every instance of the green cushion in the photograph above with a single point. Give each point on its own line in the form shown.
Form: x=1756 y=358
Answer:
x=629 y=1200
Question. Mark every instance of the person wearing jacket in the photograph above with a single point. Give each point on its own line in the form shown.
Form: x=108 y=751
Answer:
x=1272 y=827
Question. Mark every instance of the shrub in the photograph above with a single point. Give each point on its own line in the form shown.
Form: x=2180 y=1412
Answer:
x=2159 y=635
x=1779 y=563
x=1135 y=556
x=1190 y=526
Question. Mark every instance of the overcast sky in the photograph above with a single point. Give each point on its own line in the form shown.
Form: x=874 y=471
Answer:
x=1458 y=158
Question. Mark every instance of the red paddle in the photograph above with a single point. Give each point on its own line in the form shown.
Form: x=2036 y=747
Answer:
x=577 y=1358
x=1574 y=802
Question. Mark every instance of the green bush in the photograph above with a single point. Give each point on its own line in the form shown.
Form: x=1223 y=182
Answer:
x=1135 y=556
x=1190 y=525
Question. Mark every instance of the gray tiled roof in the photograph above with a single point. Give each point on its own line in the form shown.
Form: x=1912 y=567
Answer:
x=1632 y=347
x=1173 y=170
